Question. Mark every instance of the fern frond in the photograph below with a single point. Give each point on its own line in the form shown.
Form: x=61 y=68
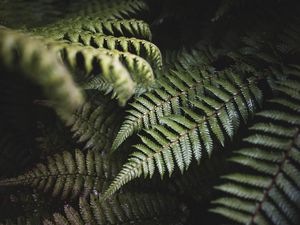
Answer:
x=176 y=93
x=94 y=61
x=29 y=56
x=180 y=87
x=95 y=123
x=117 y=28
x=89 y=61
x=69 y=174
x=268 y=193
x=139 y=47
x=138 y=209
x=183 y=137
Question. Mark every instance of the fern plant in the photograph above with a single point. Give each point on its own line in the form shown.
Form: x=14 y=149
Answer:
x=123 y=208
x=268 y=192
x=69 y=175
x=130 y=111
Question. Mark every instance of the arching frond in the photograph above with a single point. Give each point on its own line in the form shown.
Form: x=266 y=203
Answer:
x=181 y=138
x=117 y=28
x=34 y=13
x=139 y=47
x=138 y=209
x=90 y=61
x=268 y=190
x=69 y=174
x=20 y=52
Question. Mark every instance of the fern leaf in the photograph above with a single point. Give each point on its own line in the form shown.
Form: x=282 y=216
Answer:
x=268 y=193
x=95 y=123
x=83 y=58
x=135 y=46
x=123 y=209
x=180 y=87
x=68 y=175
x=191 y=134
x=19 y=52
x=90 y=61
x=117 y=28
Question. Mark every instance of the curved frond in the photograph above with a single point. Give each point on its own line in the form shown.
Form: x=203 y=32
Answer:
x=139 y=47
x=109 y=27
x=181 y=138
x=69 y=174
x=138 y=209
x=267 y=191
x=90 y=61
x=28 y=55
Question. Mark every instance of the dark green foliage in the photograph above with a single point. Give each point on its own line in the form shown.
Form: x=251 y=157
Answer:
x=95 y=94
x=213 y=116
x=19 y=53
x=128 y=208
x=96 y=123
x=269 y=192
x=68 y=175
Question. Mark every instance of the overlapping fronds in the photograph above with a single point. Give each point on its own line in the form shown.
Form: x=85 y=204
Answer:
x=124 y=71
x=214 y=116
x=68 y=175
x=138 y=209
x=27 y=55
x=96 y=123
x=268 y=190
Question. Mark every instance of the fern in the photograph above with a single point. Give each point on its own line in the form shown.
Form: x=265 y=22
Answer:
x=117 y=28
x=135 y=46
x=103 y=62
x=175 y=92
x=123 y=209
x=95 y=123
x=68 y=175
x=94 y=61
x=194 y=91
x=183 y=137
x=19 y=52
x=269 y=192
